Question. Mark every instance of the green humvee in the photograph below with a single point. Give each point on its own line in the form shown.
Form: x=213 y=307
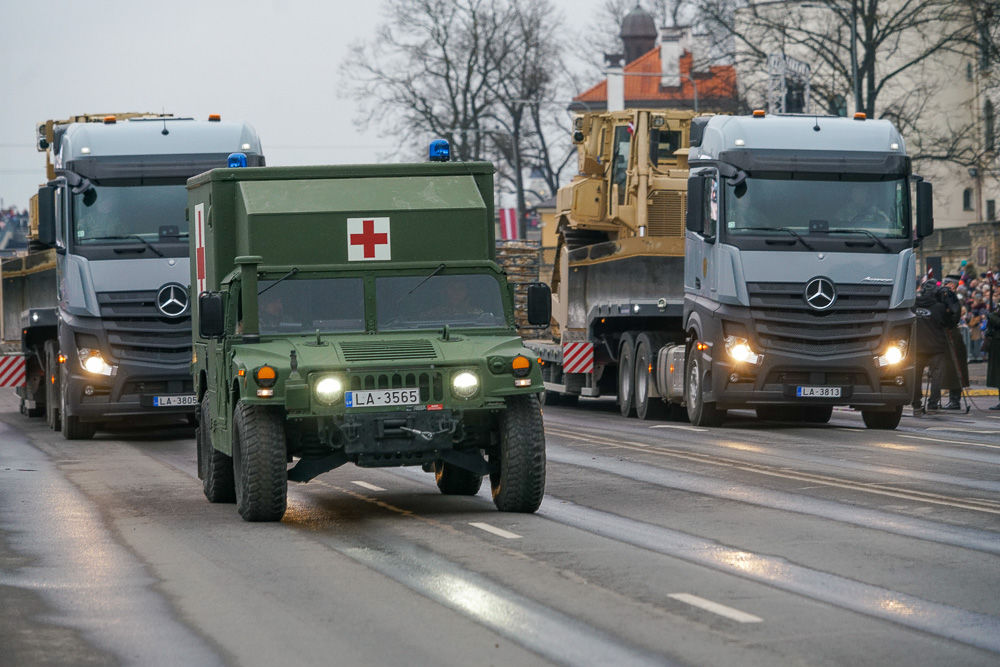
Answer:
x=357 y=314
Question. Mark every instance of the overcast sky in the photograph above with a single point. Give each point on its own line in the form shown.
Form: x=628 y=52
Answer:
x=274 y=63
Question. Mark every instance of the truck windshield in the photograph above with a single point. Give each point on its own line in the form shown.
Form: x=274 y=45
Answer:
x=302 y=305
x=116 y=213
x=459 y=301
x=819 y=204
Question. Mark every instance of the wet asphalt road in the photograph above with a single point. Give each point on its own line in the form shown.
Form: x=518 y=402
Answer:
x=657 y=543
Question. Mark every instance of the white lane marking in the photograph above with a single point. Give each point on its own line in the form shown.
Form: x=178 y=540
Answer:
x=950 y=442
x=681 y=428
x=959 y=430
x=716 y=608
x=496 y=531
x=366 y=485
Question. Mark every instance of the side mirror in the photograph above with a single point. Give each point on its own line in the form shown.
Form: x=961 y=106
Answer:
x=925 y=209
x=47 y=215
x=695 y=204
x=211 y=316
x=539 y=304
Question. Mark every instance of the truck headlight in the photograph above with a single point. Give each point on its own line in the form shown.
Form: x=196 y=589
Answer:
x=894 y=353
x=465 y=384
x=739 y=349
x=92 y=361
x=329 y=390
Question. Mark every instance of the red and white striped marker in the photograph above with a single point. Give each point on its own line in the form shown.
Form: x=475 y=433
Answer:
x=578 y=357
x=12 y=371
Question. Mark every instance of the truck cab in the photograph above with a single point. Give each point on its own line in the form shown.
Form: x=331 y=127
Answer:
x=799 y=268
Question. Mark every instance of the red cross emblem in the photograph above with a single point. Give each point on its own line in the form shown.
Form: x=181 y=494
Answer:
x=368 y=239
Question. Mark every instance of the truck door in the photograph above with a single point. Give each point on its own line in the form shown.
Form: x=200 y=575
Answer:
x=698 y=256
x=619 y=165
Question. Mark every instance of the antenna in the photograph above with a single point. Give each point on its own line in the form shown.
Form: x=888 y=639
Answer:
x=163 y=113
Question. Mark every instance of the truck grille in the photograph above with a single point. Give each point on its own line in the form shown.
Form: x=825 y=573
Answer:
x=430 y=383
x=354 y=351
x=785 y=323
x=666 y=214
x=138 y=331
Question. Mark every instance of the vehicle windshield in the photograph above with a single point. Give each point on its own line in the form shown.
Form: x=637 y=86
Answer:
x=819 y=203
x=460 y=301
x=302 y=305
x=109 y=213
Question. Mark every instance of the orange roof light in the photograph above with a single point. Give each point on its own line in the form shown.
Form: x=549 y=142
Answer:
x=110 y=120
x=759 y=113
x=214 y=117
x=860 y=116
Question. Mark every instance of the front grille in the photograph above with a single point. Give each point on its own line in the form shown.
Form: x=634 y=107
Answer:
x=138 y=331
x=354 y=351
x=784 y=322
x=666 y=214
x=430 y=383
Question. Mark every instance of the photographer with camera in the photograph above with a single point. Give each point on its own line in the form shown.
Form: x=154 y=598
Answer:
x=956 y=362
x=931 y=344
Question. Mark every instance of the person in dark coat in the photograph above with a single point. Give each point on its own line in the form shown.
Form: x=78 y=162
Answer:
x=956 y=360
x=931 y=344
x=993 y=352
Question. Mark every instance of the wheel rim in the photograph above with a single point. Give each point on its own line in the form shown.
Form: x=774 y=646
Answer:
x=694 y=383
x=641 y=378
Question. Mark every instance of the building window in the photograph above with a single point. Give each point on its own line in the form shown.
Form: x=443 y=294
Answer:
x=989 y=126
x=991 y=210
x=838 y=106
x=967 y=199
x=968 y=71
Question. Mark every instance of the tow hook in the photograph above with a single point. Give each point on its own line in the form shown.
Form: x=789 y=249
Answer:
x=448 y=427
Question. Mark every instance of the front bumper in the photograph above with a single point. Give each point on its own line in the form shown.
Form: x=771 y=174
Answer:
x=129 y=392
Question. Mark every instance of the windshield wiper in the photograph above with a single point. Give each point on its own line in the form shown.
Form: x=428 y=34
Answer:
x=862 y=231
x=776 y=229
x=284 y=277
x=122 y=237
x=433 y=273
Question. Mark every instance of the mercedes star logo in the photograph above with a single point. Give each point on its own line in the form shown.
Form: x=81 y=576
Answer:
x=172 y=300
x=820 y=293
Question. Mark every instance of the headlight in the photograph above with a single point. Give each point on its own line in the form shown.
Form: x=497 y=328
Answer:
x=92 y=361
x=739 y=349
x=329 y=390
x=894 y=353
x=465 y=384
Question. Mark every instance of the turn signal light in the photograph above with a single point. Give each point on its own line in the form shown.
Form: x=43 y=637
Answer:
x=265 y=376
x=521 y=365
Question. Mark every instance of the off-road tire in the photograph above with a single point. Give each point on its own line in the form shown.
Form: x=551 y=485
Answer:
x=259 y=462
x=700 y=412
x=626 y=374
x=72 y=427
x=520 y=483
x=646 y=405
x=52 y=378
x=883 y=421
x=214 y=468
x=455 y=481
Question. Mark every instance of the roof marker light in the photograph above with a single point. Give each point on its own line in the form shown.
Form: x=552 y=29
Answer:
x=759 y=113
x=237 y=160
x=860 y=116
x=110 y=120
x=439 y=151
x=214 y=117
x=245 y=147
x=740 y=142
x=894 y=147
x=85 y=150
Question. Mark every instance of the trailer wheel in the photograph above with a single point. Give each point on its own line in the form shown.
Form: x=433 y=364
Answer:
x=52 y=392
x=72 y=427
x=259 y=462
x=626 y=373
x=520 y=483
x=884 y=421
x=646 y=405
x=214 y=468
x=699 y=412
x=455 y=481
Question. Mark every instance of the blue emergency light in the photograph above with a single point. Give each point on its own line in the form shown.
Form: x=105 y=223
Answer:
x=237 y=160
x=440 y=151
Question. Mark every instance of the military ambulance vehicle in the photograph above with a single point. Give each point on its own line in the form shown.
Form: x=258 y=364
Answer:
x=357 y=314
